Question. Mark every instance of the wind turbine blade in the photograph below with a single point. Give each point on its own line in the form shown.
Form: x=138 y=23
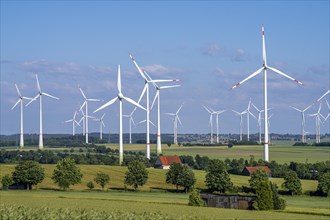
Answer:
x=32 y=100
x=179 y=120
x=83 y=94
x=82 y=118
x=236 y=112
x=126 y=116
x=81 y=107
x=208 y=110
x=140 y=122
x=285 y=75
x=46 y=94
x=137 y=66
x=134 y=103
x=296 y=109
x=167 y=87
x=152 y=123
x=18 y=90
x=171 y=114
x=143 y=92
x=92 y=117
x=27 y=98
x=38 y=83
x=19 y=100
x=102 y=116
x=252 y=115
x=119 y=80
x=255 y=107
x=179 y=109
x=153 y=102
x=133 y=121
x=308 y=107
x=95 y=119
x=263 y=46
x=68 y=121
x=77 y=123
x=247 y=78
x=106 y=104
x=326 y=93
x=94 y=100
x=166 y=80
x=327 y=104
x=75 y=114
x=103 y=123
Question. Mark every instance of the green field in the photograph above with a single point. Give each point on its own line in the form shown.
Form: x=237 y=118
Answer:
x=171 y=205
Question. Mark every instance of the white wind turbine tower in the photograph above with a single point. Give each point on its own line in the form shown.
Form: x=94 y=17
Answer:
x=101 y=124
x=147 y=80
x=39 y=95
x=240 y=123
x=86 y=113
x=120 y=97
x=83 y=119
x=211 y=112
x=264 y=69
x=176 y=119
x=74 y=122
x=303 y=139
x=217 y=113
x=131 y=120
x=20 y=100
x=318 y=122
x=248 y=113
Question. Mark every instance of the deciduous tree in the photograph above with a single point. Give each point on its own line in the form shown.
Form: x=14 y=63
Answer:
x=28 y=173
x=324 y=183
x=137 y=174
x=217 y=177
x=102 y=179
x=66 y=173
x=292 y=183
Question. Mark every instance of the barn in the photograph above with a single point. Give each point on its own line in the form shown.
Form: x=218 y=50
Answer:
x=247 y=171
x=164 y=162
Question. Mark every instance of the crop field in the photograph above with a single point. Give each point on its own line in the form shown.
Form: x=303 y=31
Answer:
x=151 y=205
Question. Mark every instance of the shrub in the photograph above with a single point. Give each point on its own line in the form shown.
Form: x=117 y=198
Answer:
x=279 y=203
x=6 y=181
x=324 y=183
x=137 y=174
x=102 y=179
x=90 y=185
x=195 y=199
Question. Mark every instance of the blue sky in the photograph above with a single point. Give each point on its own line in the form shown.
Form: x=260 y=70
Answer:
x=208 y=45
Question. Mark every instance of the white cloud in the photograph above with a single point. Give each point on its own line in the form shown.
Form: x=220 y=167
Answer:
x=240 y=55
x=46 y=66
x=213 y=49
x=159 y=69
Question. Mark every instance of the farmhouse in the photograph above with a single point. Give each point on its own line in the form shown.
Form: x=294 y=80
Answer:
x=164 y=162
x=247 y=171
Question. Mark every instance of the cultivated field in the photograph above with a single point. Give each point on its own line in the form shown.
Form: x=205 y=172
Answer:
x=171 y=205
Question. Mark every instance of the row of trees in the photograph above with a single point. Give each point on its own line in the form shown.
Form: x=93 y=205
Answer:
x=67 y=173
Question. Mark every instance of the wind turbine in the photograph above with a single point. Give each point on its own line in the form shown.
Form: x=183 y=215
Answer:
x=175 y=124
x=217 y=113
x=101 y=124
x=248 y=113
x=147 y=80
x=302 y=121
x=143 y=121
x=318 y=122
x=120 y=97
x=258 y=120
x=131 y=120
x=20 y=100
x=86 y=113
x=39 y=95
x=264 y=68
x=241 y=123
x=212 y=112
x=74 y=122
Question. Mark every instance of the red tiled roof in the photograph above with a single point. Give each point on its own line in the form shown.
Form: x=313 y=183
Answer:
x=168 y=160
x=254 y=169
